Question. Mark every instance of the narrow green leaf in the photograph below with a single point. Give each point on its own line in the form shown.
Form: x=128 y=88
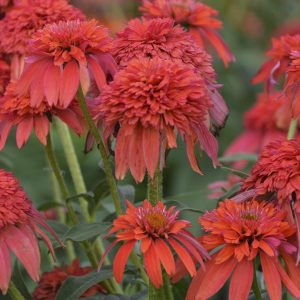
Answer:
x=74 y=286
x=235 y=172
x=239 y=156
x=49 y=205
x=181 y=207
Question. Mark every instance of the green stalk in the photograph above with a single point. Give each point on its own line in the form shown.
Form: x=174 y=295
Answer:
x=61 y=216
x=65 y=193
x=80 y=186
x=155 y=194
x=104 y=155
x=14 y=293
x=255 y=287
x=292 y=129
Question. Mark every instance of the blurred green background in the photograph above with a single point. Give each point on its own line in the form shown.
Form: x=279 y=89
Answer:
x=248 y=28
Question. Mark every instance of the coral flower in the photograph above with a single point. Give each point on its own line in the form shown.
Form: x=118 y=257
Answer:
x=19 y=224
x=266 y=121
x=276 y=174
x=63 y=56
x=199 y=17
x=50 y=282
x=4 y=75
x=152 y=100
x=160 y=38
x=16 y=111
x=240 y=232
x=26 y=18
x=158 y=231
x=284 y=60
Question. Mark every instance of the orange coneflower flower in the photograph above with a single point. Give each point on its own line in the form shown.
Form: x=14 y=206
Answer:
x=151 y=100
x=19 y=224
x=158 y=231
x=17 y=111
x=51 y=281
x=240 y=232
x=199 y=17
x=276 y=175
x=63 y=56
x=22 y=21
x=265 y=122
x=284 y=60
x=161 y=38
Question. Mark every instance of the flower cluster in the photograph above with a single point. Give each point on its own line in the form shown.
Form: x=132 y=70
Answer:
x=199 y=17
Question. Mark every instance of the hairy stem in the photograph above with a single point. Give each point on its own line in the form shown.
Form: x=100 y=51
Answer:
x=103 y=152
x=255 y=287
x=292 y=129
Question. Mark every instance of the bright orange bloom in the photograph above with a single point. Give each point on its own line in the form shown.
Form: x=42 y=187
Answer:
x=63 y=56
x=284 y=60
x=19 y=224
x=199 y=17
x=160 y=38
x=51 y=281
x=21 y=22
x=157 y=230
x=152 y=100
x=245 y=231
x=266 y=121
x=4 y=75
x=276 y=174
x=17 y=111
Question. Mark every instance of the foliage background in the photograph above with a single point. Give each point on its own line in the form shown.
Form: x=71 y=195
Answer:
x=248 y=28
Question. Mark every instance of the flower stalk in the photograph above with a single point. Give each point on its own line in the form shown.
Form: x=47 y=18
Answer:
x=292 y=129
x=105 y=158
x=255 y=287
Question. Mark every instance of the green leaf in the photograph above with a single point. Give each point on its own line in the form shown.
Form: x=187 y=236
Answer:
x=74 y=286
x=181 y=207
x=58 y=227
x=235 y=172
x=49 y=205
x=237 y=157
x=20 y=282
x=83 y=232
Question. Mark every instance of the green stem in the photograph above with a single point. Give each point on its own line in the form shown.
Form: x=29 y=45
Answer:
x=65 y=193
x=292 y=129
x=255 y=287
x=137 y=262
x=14 y=293
x=104 y=155
x=155 y=194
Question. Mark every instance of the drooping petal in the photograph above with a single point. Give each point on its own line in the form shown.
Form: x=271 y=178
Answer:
x=241 y=281
x=98 y=73
x=52 y=84
x=292 y=268
x=5 y=267
x=264 y=72
x=37 y=91
x=216 y=40
x=107 y=250
x=152 y=266
x=21 y=245
x=289 y=284
x=191 y=154
x=23 y=132
x=208 y=143
x=121 y=154
x=219 y=111
x=69 y=83
x=121 y=258
x=151 y=147
x=272 y=277
x=41 y=128
x=208 y=282
x=72 y=120
x=136 y=157
x=46 y=240
x=5 y=128
x=165 y=256
x=184 y=256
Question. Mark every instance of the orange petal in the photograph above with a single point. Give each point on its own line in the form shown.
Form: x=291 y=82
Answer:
x=152 y=266
x=165 y=256
x=241 y=281
x=271 y=275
